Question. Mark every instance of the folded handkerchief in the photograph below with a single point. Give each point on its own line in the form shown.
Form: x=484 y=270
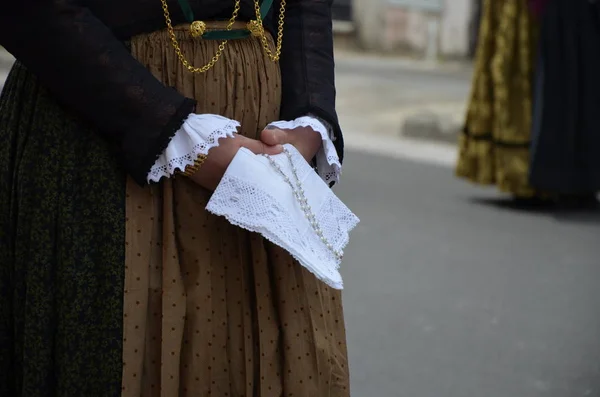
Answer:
x=255 y=196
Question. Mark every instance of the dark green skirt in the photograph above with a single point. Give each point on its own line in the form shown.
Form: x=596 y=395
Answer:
x=62 y=226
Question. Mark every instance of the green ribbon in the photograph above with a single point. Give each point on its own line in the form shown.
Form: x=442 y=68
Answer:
x=188 y=13
x=224 y=34
x=265 y=7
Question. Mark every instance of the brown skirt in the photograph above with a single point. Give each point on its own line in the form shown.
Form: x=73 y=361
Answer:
x=211 y=309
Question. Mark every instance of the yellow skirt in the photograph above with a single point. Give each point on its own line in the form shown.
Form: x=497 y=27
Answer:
x=494 y=148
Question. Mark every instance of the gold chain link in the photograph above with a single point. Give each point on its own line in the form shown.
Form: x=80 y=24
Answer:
x=178 y=51
x=261 y=33
x=274 y=56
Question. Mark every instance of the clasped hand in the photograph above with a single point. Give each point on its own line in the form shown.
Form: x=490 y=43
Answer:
x=304 y=139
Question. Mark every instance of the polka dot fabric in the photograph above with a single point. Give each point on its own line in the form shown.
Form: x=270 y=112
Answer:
x=210 y=309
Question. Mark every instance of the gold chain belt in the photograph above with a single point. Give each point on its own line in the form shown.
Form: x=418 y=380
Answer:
x=198 y=29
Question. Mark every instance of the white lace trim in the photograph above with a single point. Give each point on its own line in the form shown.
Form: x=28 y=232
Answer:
x=198 y=134
x=328 y=162
x=253 y=196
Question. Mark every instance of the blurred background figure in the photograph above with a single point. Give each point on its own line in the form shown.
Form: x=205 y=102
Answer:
x=565 y=157
x=532 y=118
x=494 y=146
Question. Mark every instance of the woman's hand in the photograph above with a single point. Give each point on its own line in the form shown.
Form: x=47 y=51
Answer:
x=219 y=158
x=306 y=140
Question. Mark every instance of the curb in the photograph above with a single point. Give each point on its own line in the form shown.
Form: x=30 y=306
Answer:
x=442 y=124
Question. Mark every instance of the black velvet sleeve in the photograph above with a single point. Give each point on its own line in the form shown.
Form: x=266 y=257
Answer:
x=307 y=64
x=92 y=73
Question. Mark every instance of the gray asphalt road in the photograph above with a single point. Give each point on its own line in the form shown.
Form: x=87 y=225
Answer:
x=451 y=293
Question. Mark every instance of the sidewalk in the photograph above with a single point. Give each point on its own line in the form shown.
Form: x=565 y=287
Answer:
x=401 y=97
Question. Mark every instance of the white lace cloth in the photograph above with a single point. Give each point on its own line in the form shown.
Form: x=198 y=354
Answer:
x=254 y=196
x=201 y=132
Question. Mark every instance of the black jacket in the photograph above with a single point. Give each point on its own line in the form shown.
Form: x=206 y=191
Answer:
x=76 y=49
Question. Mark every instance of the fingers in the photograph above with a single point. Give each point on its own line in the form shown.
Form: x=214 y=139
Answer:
x=258 y=147
x=272 y=150
x=274 y=136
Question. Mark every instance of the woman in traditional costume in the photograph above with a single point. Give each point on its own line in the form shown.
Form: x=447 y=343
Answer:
x=118 y=121
x=532 y=118
x=494 y=146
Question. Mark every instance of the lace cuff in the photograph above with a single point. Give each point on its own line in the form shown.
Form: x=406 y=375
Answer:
x=329 y=167
x=198 y=134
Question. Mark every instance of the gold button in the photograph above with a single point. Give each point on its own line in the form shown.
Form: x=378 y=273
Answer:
x=197 y=28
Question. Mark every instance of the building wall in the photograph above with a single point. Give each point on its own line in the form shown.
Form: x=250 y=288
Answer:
x=367 y=16
x=454 y=32
x=384 y=26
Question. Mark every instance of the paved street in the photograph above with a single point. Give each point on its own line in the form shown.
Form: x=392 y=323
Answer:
x=449 y=291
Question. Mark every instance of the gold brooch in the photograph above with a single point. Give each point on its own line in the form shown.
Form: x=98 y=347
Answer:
x=255 y=28
x=197 y=28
